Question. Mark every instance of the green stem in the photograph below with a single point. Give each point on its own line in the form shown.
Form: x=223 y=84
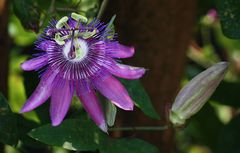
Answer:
x=102 y=8
x=140 y=128
x=49 y=11
x=52 y=6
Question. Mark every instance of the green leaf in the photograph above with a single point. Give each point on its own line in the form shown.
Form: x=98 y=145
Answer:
x=28 y=13
x=127 y=146
x=14 y=127
x=8 y=128
x=72 y=134
x=229 y=137
x=229 y=12
x=83 y=135
x=24 y=127
x=140 y=97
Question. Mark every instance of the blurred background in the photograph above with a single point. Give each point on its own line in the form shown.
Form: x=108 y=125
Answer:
x=175 y=40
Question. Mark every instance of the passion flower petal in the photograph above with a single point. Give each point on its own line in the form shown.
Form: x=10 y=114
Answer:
x=91 y=104
x=60 y=101
x=114 y=90
x=41 y=93
x=35 y=63
x=125 y=71
x=117 y=50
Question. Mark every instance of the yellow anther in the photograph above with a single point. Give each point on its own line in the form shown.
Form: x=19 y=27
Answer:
x=58 y=39
x=88 y=34
x=62 y=22
x=79 y=17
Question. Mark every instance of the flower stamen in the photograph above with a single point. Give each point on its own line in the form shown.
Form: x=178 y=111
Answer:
x=62 y=22
x=79 y=17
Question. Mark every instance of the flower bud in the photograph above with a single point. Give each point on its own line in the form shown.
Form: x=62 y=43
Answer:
x=195 y=94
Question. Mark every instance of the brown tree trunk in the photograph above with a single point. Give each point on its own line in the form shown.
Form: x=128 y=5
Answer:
x=4 y=47
x=4 y=51
x=160 y=31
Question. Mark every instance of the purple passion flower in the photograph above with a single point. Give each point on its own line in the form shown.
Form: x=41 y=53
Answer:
x=78 y=57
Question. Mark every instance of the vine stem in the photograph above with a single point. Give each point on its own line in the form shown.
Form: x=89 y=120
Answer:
x=140 y=128
x=102 y=8
x=49 y=11
x=52 y=6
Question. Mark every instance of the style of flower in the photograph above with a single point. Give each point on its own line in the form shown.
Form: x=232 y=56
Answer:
x=79 y=56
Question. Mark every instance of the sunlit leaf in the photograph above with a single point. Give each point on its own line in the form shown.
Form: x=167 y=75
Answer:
x=20 y=36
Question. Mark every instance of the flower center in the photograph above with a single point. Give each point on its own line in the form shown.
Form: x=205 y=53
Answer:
x=75 y=50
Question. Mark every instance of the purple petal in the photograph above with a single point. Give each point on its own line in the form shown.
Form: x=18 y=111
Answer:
x=91 y=104
x=41 y=93
x=113 y=49
x=35 y=63
x=125 y=71
x=60 y=100
x=114 y=90
x=117 y=50
x=45 y=45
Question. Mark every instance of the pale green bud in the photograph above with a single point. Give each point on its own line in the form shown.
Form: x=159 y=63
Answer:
x=195 y=94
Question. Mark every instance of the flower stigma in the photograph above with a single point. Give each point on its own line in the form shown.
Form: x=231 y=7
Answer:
x=76 y=50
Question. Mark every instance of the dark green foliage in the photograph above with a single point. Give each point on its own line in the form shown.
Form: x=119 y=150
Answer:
x=14 y=127
x=204 y=127
x=140 y=97
x=24 y=126
x=8 y=126
x=229 y=13
x=228 y=94
x=28 y=13
x=229 y=137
